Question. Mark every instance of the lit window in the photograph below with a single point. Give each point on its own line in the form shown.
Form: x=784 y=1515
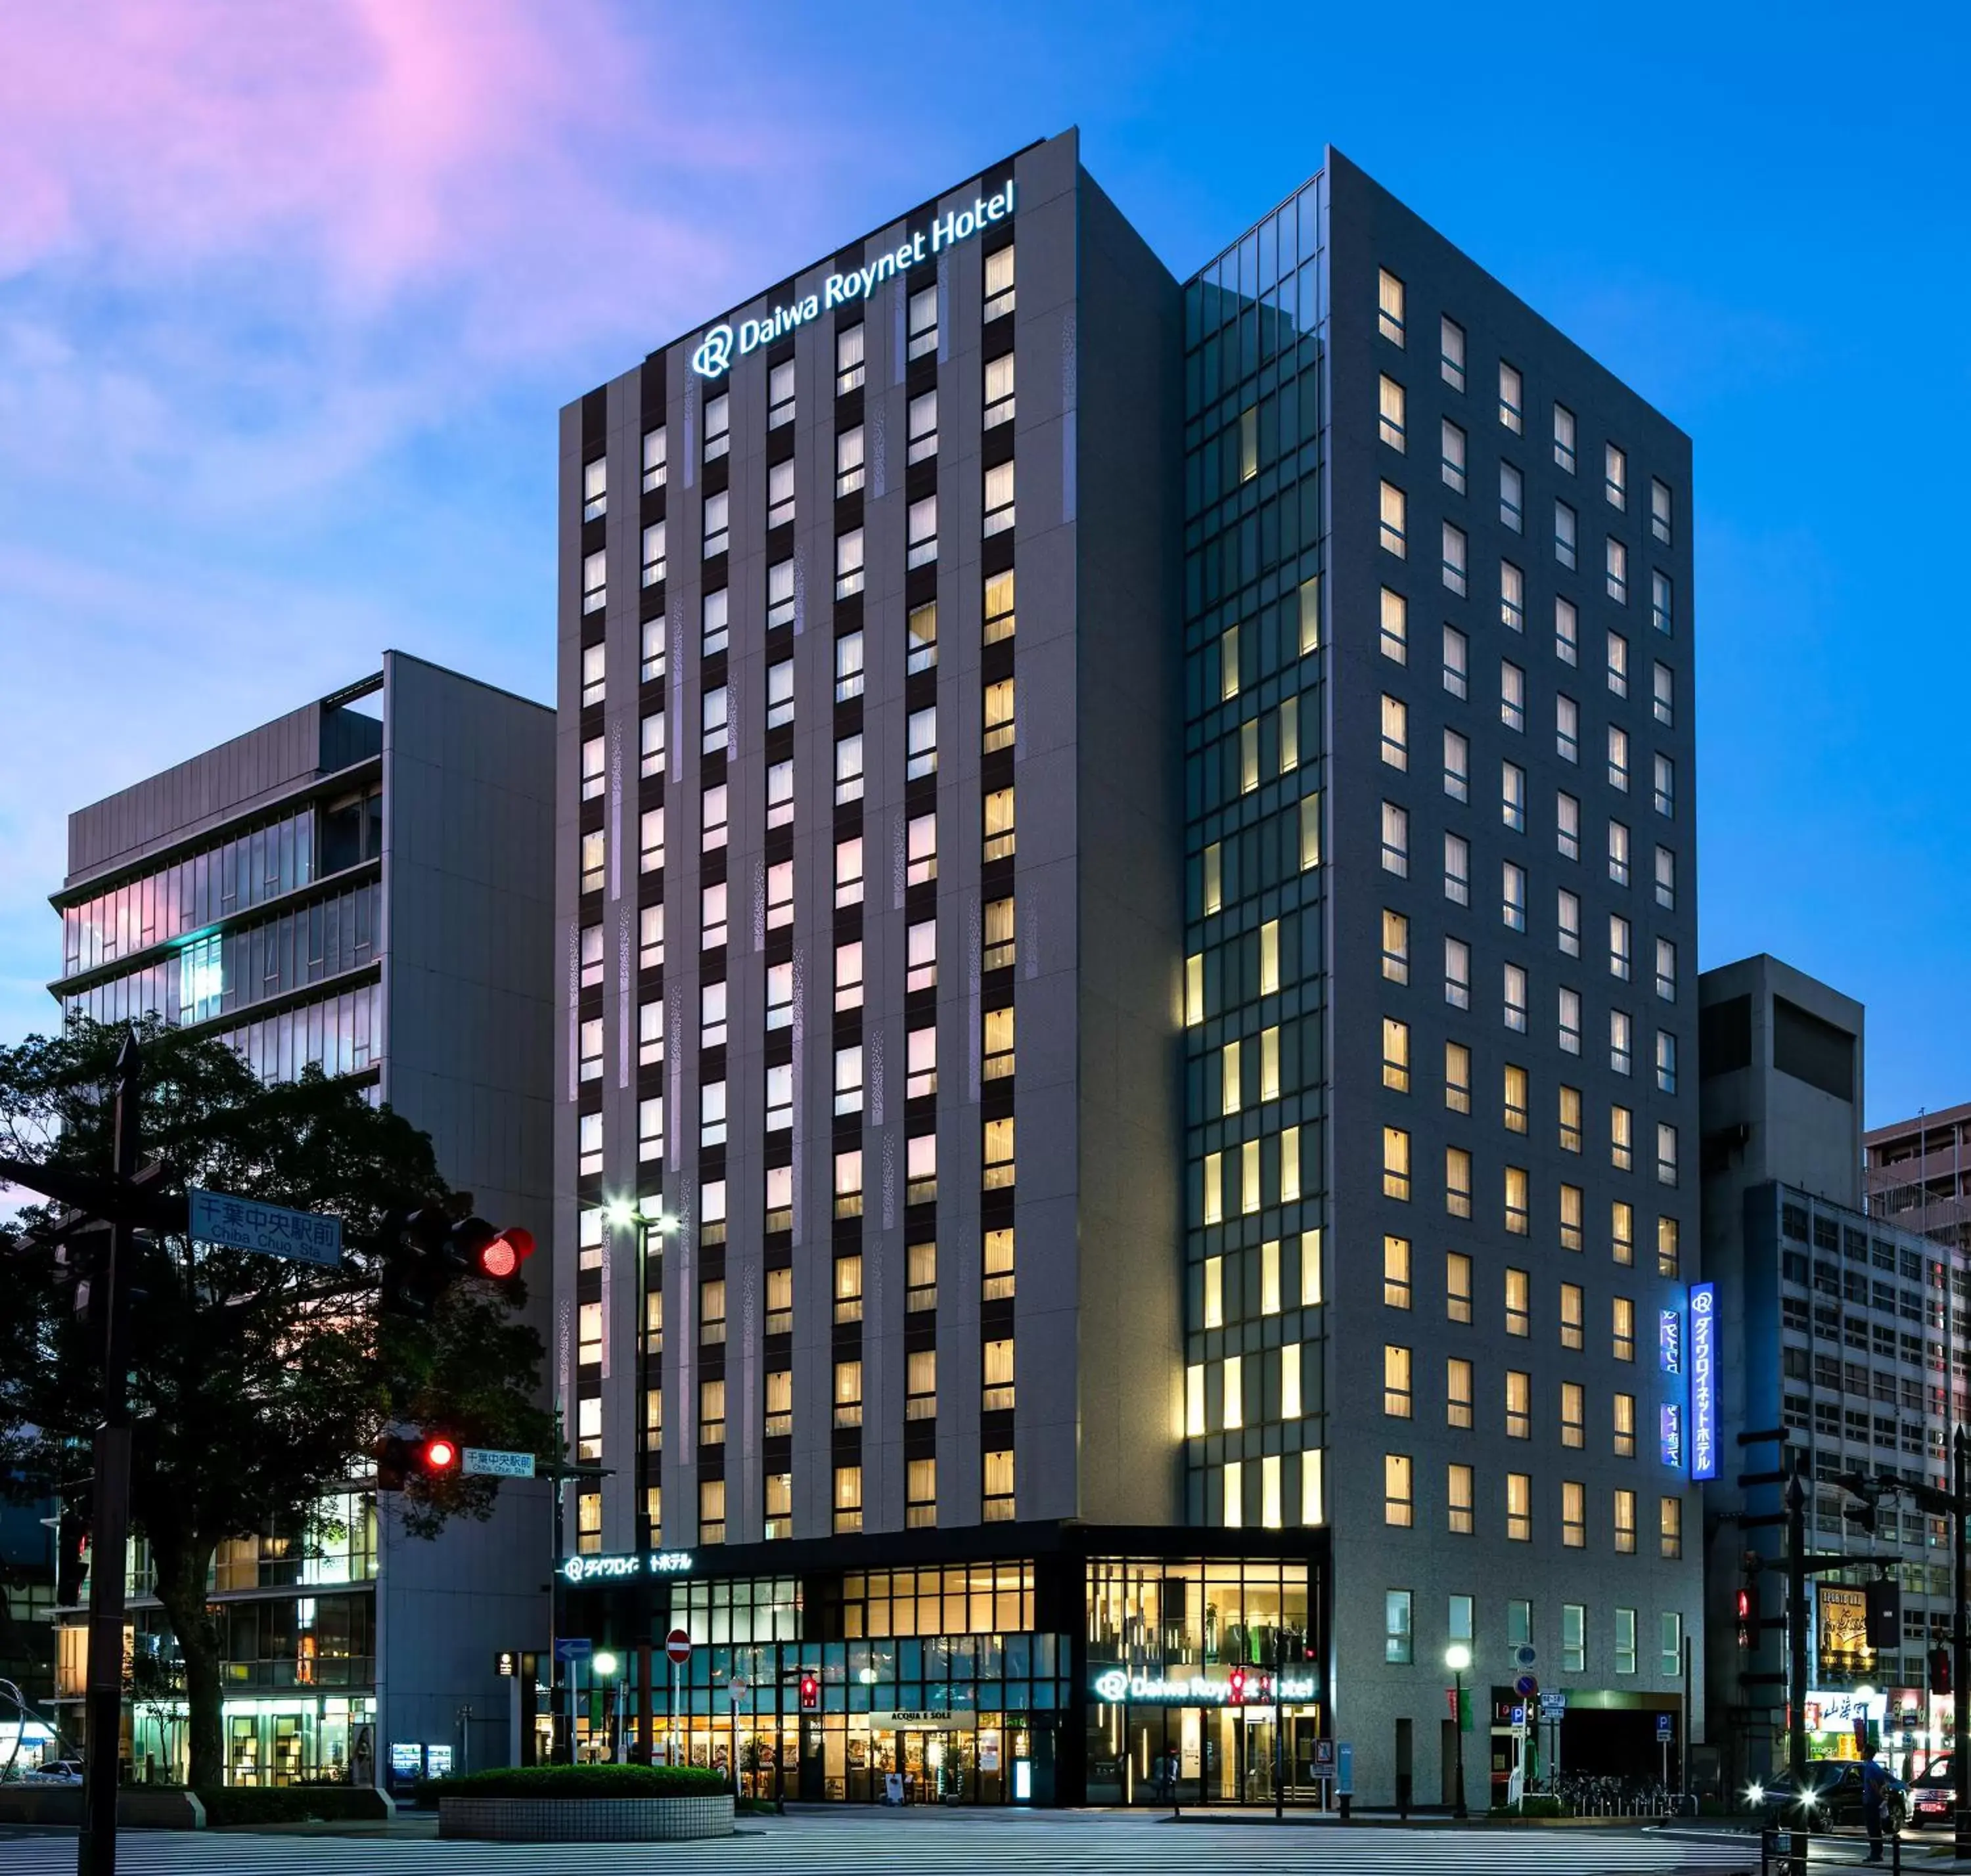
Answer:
x=1455 y=562
x=1622 y=1139
x=920 y=538
x=848 y=470
x=1509 y=396
x=594 y=769
x=713 y=707
x=997 y=1375
x=997 y=1158
x=1394 y=538
x=1457 y=766
x=650 y=840
x=1621 y=1033
x=999 y=938
x=1396 y=1397
x=920 y=849
x=1456 y=869
x=1512 y=498
x=998 y=714
x=1618 y=946
x=1563 y=534
x=1563 y=438
x=1391 y=429
x=1618 y=758
x=780 y=794
x=1520 y=1507
x=999 y=286
x=1570 y=1120
x=1625 y=1522
x=920 y=744
x=717 y=509
x=1396 y=732
x=1569 y=1011
x=1566 y=632
x=1396 y=1055
x=1516 y=1202
x=595 y=489
x=1458 y=973
x=1624 y=1426
x=1457 y=1077
x=780 y=1098
x=651 y=667
x=1573 y=1514
x=847 y=365
x=996 y=1043
x=718 y=425
x=1457 y=1182
x=594 y=658
x=998 y=828
x=848 y=563
x=997 y=515
x=1515 y=1103
x=780 y=493
x=1670 y=1525
x=1450 y=454
x=1519 y=1303
x=1396 y=1272
x=780 y=395
x=655 y=457
x=1458 y=1515
x=997 y=1505
x=594 y=581
x=1000 y=405
x=1270 y=962
x=594 y=860
x=849 y=872
x=1622 y=1317
x=1519 y=1405
x=1451 y=353
x=650 y=745
x=1616 y=564
x=1456 y=665
x=847 y=1500
x=1399 y=1501
x=999 y=608
x=848 y=1183
x=1567 y=920
x=1512 y=696
x=650 y=1032
x=1396 y=947
x=1512 y=597
x=591 y=1051
x=1668 y=1254
x=920 y=639
x=1666 y=1154
x=649 y=942
x=922 y=328
x=1513 y=796
x=780 y=694
x=1393 y=637
x=1457 y=1287
x=1615 y=476
x=588 y=1144
x=847 y=769
x=848 y=1079
x=1389 y=306
x=922 y=417
x=1396 y=1163
x=1396 y=840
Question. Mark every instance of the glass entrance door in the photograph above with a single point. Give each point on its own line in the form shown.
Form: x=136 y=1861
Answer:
x=940 y=1767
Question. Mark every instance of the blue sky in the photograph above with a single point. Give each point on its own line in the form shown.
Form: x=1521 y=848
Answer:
x=289 y=298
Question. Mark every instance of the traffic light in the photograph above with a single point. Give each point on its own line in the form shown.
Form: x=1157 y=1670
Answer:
x=1747 y=1619
x=1748 y=1600
x=810 y=1691
x=1939 y=1670
x=428 y=1249
x=1886 y=1615
x=496 y=1256
x=1860 y=1485
x=398 y=1461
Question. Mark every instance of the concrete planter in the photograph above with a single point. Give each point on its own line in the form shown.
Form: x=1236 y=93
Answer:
x=137 y=1808
x=585 y=1820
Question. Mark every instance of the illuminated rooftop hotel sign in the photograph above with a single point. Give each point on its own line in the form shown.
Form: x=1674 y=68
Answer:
x=716 y=350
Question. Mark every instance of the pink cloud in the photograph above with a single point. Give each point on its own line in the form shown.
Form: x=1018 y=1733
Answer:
x=368 y=143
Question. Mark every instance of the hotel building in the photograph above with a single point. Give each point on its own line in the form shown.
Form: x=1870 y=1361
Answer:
x=1126 y=893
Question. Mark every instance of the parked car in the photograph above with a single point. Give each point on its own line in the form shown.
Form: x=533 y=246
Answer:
x=56 y=1772
x=1932 y=1793
x=1833 y=1795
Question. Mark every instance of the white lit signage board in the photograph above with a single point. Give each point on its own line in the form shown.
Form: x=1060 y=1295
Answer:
x=625 y=1567
x=714 y=353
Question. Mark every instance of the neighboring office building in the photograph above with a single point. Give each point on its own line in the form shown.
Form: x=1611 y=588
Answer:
x=1919 y=1174
x=1343 y=583
x=362 y=884
x=1828 y=1323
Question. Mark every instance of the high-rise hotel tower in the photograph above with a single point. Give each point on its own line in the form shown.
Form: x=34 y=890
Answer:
x=1126 y=897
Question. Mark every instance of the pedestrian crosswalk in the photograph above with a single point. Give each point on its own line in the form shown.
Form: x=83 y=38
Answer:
x=879 y=1843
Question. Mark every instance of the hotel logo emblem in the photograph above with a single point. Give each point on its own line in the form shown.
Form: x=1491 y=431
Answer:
x=714 y=353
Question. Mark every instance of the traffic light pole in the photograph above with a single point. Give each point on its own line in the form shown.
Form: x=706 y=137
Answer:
x=109 y=1508
x=1796 y=1612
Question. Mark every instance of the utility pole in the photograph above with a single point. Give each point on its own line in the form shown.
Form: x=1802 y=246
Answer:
x=109 y=1504
x=1796 y=1505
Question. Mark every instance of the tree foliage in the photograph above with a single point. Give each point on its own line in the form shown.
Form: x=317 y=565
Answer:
x=258 y=1385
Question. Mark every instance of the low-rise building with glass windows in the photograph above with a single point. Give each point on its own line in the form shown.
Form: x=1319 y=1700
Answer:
x=363 y=885
x=1126 y=893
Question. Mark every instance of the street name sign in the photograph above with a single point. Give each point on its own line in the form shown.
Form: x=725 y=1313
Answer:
x=273 y=1230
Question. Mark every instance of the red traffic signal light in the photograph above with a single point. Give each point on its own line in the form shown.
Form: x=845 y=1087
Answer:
x=399 y=1459
x=439 y=1455
x=810 y=1693
x=500 y=1258
x=1939 y=1670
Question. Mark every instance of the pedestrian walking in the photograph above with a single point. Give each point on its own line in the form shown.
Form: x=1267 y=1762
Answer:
x=1874 y=1789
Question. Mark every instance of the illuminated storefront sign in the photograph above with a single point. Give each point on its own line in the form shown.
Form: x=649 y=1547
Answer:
x=1843 y=1624
x=716 y=350
x=1672 y=1425
x=631 y=1564
x=1670 y=1340
x=1703 y=1381
x=1239 y=1689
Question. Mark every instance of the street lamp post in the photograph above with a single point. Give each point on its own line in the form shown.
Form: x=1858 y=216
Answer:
x=1458 y=1658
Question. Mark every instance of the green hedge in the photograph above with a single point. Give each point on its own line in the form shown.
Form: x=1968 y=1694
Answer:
x=1538 y=1804
x=583 y=1781
x=252 y=1805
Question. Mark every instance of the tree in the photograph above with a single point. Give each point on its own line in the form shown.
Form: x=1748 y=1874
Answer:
x=258 y=1385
